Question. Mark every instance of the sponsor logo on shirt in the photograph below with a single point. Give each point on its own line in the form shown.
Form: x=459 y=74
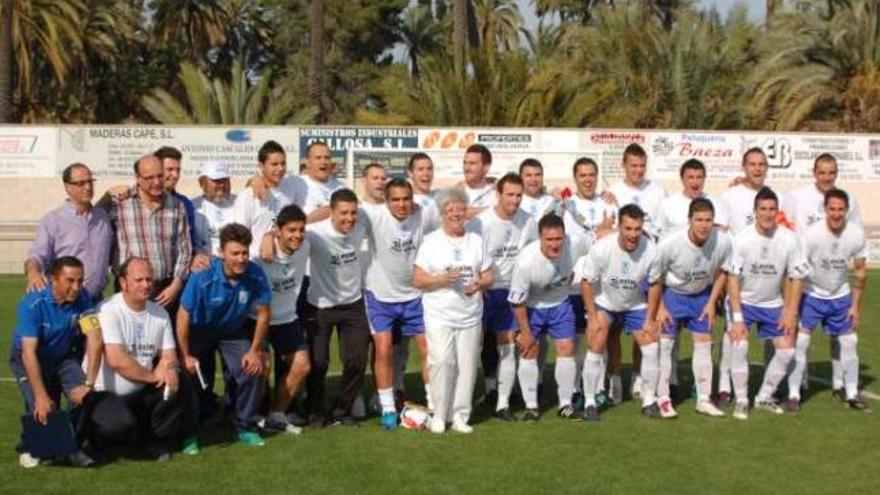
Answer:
x=343 y=259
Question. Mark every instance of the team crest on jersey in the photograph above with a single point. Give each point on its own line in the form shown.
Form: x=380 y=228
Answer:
x=835 y=247
x=508 y=233
x=242 y=297
x=625 y=268
x=750 y=219
x=765 y=252
x=456 y=254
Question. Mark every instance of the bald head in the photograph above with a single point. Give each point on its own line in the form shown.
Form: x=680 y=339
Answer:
x=150 y=176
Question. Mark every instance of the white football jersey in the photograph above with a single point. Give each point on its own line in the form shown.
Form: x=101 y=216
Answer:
x=537 y=207
x=538 y=281
x=648 y=196
x=806 y=206
x=393 y=248
x=829 y=256
x=259 y=216
x=691 y=269
x=483 y=197
x=762 y=263
x=285 y=275
x=739 y=202
x=430 y=213
x=616 y=275
x=504 y=239
x=674 y=212
x=317 y=194
x=335 y=263
x=210 y=218
x=582 y=214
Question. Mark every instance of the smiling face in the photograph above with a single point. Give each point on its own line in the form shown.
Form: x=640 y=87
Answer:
x=67 y=284
x=400 y=202
x=629 y=233
x=634 y=169
x=150 y=177
x=235 y=258
x=474 y=169
x=692 y=181
x=765 y=214
x=755 y=169
x=533 y=180
x=319 y=164
x=585 y=178
x=422 y=175
x=291 y=235
x=509 y=199
x=374 y=184
x=825 y=173
x=343 y=216
x=81 y=186
x=453 y=217
x=835 y=214
x=171 y=171
x=274 y=168
x=215 y=190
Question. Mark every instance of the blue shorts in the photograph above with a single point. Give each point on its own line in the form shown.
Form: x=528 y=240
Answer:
x=384 y=317
x=580 y=316
x=633 y=320
x=285 y=338
x=767 y=320
x=558 y=321
x=831 y=313
x=685 y=310
x=497 y=313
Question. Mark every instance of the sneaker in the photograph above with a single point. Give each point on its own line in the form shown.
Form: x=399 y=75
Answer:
x=490 y=399
x=652 y=411
x=296 y=420
x=276 y=424
x=636 y=388
x=858 y=403
x=80 y=459
x=706 y=407
x=666 y=409
x=604 y=401
x=461 y=426
x=724 y=400
x=792 y=405
x=741 y=410
x=505 y=415
x=159 y=454
x=569 y=412
x=388 y=420
x=250 y=438
x=591 y=413
x=27 y=461
x=839 y=394
x=438 y=425
x=340 y=421
x=191 y=446
x=577 y=400
x=769 y=405
x=615 y=385
x=531 y=416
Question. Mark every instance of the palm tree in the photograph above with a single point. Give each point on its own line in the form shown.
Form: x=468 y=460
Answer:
x=420 y=34
x=499 y=23
x=459 y=35
x=193 y=26
x=6 y=112
x=218 y=102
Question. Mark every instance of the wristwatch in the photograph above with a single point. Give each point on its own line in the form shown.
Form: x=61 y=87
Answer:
x=89 y=385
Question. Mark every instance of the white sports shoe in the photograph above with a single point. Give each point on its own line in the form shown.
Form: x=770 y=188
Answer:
x=741 y=410
x=27 y=461
x=461 y=427
x=707 y=408
x=636 y=391
x=666 y=409
x=769 y=405
x=438 y=425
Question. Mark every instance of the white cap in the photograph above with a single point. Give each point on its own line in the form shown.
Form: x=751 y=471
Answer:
x=215 y=170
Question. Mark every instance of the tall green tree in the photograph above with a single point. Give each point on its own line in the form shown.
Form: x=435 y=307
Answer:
x=420 y=34
x=6 y=61
x=193 y=27
x=499 y=23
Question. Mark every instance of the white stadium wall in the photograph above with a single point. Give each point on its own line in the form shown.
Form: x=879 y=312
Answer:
x=32 y=157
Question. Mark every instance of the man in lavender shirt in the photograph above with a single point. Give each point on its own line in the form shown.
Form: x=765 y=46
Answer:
x=73 y=229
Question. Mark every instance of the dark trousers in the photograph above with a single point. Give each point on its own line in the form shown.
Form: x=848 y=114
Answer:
x=354 y=341
x=142 y=416
x=248 y=388
x=489 y=355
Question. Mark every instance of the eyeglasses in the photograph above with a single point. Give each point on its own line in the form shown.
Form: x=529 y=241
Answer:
x=82 y=183
x=149 y=178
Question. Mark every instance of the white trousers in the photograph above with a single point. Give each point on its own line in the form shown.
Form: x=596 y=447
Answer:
x=453 y=357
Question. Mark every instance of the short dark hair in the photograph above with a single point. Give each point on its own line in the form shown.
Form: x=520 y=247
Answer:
x=64 y=261
x=122 y=272
x=764 y=194
x=485 y=154
x=633 y=211
x=398 y=182
x=416 y=157
x=267 y=149
x=824 y=157
x=692 y=164
x=700 y=204
x=509 y=178
x=235 y=232
x=839 y=194
x=68 y=171
x=753 y=149
x=550 y=221
x=168 y=152
x=634 y=149
x=530 y=162
x=583 y=162
x=371 y=166
x=313 y=144
x=290 y=213
x=342 y=196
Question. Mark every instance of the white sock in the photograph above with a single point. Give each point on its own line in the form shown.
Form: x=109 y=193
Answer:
x=667 y=347
x=739 y=369
x=580 y=353
x=506 y=374
x=849 y=361
x=566 y=374
x=673 y=369
x=386 y=400
x=593 y=366
x=775 y=372
x=701 y=363
x=836 y=368
x=600 y=385
x=528 y=382
x=724 y=364
x=542 y=356
x=428 y=397
x=650 y=371
x=401 y=355
x=798 y=365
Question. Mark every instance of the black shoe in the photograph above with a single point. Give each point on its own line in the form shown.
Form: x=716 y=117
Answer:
x=673 y=394
x=577 y=400
x=591 y=413
x=569 y=412
x=490 y=400
x=858 y=404
x=652 y=411
x=505 y=415
x=341 y=421
x=839 y=394
x=792 y=405
x=531 y=416
x=80 y=459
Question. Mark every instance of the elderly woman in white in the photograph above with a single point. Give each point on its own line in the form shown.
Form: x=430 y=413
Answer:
x=451 y=270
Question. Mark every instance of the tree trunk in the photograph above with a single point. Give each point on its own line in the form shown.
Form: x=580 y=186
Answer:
x=459 y=34
x=6 y=61
x=316 y=71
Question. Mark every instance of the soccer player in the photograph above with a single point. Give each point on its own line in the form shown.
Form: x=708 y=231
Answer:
x=420 y=171
x=535 y=201
x=475 y=167
x=611 y=287
x=694 y=261
x=335 y=290
x=539 y=296
x=806 y=204
x=285 y=273
x=636 y=188
x=674 y=209
x=320 y=183
x=764 y=257
x=214 y=209
x=452 y=269
x=374 y=177
x=257 y=214
x=829 y=299
x=505 y=230
x=213 y=309
x=395 y=234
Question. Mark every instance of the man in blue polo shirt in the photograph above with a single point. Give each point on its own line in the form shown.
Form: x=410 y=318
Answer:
x=42 y=358
x=212 y=314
